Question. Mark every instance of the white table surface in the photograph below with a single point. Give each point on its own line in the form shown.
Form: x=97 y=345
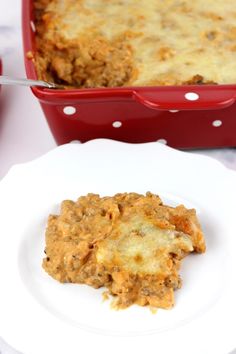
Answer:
x=24 y=134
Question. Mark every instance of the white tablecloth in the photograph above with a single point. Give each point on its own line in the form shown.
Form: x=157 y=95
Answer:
x=24 y=134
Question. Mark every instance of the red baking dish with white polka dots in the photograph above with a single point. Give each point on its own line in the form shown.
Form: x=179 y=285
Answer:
x=181 y=116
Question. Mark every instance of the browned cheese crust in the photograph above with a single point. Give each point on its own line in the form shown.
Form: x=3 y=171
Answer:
x=113 y=43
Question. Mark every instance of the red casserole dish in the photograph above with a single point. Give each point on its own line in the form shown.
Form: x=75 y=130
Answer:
x=181 y=116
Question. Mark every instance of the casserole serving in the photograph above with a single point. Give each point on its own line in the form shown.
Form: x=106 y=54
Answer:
x=130 y=243
x=117 y=87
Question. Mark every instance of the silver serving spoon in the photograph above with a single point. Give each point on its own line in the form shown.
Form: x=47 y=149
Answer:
x=5 y=80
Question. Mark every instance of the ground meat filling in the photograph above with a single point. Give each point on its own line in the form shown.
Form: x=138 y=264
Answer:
x=92 y=62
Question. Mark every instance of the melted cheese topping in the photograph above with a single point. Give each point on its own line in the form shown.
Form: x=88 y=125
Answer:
x=140 y=247
x=171 y=41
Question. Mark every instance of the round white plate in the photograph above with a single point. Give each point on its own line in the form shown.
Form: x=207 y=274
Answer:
x=41 y=316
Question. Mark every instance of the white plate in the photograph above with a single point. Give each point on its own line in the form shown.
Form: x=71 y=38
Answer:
x=41 y=316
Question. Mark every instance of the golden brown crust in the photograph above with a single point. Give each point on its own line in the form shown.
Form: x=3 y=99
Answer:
x=130 y=243
x=199 y=80
x=89 y=61
x=84 y=44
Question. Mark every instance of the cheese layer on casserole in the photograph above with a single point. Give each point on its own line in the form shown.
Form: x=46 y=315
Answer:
x=130 y=243
x=141 y=247
x=92 y=43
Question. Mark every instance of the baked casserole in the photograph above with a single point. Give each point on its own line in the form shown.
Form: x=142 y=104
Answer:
x=111 y=43
x=131 y=244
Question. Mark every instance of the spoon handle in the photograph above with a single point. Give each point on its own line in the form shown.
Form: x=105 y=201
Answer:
x=5 y=80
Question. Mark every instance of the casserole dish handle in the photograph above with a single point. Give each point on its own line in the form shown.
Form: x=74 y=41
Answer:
x=187 y=97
